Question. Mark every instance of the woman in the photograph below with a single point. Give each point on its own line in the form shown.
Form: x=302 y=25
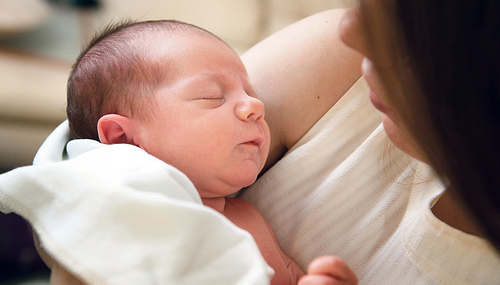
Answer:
x=432 y=70
x=444 y=109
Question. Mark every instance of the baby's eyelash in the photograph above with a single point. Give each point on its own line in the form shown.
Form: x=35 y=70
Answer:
x=212 y=101
x=212 y=98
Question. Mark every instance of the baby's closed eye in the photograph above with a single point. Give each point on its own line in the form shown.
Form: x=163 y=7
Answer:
x=211 y=100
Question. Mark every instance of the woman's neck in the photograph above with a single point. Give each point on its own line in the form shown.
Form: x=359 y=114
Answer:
x=452 y=213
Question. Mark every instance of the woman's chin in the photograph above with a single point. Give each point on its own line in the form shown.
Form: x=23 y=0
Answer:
x=400 y=138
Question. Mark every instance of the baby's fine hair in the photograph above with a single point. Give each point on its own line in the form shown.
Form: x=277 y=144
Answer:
x=115 y=75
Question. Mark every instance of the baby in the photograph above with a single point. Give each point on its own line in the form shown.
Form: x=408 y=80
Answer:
x=182 y=95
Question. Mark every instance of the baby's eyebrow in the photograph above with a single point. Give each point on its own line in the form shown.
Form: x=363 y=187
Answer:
x=200 y=83
x=210 y=76
x=205 y=77
x=223 y=81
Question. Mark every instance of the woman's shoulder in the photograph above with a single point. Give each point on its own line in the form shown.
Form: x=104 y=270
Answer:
x=299 y=73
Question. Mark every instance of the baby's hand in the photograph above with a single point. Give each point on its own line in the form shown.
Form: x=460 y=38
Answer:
x=328 y=270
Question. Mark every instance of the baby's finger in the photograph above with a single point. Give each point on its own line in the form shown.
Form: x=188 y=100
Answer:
x=334 y=267
x=319 y=280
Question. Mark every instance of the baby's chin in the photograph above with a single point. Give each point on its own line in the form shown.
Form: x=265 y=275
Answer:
x=236 y=187
x=224 y=188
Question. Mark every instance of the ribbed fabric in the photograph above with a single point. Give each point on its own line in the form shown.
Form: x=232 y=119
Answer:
x=345 y=190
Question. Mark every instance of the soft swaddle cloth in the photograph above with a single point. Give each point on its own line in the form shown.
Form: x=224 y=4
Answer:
x=113 y=214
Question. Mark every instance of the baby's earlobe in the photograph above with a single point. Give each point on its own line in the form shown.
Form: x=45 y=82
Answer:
x=114 y=128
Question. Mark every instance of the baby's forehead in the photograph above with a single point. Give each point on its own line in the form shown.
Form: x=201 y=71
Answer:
x=175 y=48
x=172 y=53
x=182 y=38
x=167 y=46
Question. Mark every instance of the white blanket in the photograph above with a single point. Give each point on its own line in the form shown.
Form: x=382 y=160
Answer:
x=116 y=215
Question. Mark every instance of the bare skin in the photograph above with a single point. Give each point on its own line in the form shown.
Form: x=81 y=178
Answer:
x=297 y=93
x=328 y=270
x=245 y=216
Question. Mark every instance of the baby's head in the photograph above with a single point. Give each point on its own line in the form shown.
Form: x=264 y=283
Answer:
x=179 y=93
x=118 y=72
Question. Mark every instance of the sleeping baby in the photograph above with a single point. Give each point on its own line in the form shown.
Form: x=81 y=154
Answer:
x=182 y=95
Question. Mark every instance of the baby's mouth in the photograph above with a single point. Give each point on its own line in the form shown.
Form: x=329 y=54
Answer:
x=255 y=142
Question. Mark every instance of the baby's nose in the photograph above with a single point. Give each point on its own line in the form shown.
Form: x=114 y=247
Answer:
x=250 y=109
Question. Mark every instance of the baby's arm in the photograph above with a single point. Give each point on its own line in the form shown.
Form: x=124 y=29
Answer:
x=291 y=266
x=328 y=270
x=246 y=216
x=299 y=73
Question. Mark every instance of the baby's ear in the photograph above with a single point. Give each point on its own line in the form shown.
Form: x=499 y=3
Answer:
x=113 y=129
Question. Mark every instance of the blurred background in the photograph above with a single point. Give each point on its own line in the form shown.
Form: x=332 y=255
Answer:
x=40 y=39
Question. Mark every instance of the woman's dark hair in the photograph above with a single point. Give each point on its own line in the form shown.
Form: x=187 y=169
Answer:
x=447 y=91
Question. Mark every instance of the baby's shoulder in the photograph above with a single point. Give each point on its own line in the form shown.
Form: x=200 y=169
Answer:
x=243 y=214
x=238 y=205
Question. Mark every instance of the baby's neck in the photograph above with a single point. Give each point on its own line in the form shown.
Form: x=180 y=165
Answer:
x=216 y=203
